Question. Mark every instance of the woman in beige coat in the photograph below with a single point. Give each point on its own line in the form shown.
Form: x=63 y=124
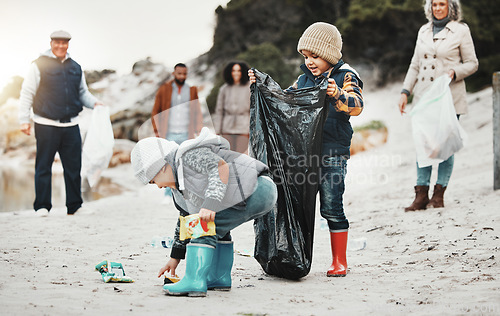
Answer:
x=444 y=46
x=232 y=112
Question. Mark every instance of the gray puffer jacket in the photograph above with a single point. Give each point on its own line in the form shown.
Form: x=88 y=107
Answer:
x=195 y=166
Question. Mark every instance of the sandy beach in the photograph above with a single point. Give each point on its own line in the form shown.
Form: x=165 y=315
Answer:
x=433 y=262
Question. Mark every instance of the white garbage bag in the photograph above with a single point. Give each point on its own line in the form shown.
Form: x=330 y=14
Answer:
x=98 y=146
x=437 y=134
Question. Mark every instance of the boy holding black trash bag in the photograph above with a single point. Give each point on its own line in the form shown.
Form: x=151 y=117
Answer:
x=321 y=45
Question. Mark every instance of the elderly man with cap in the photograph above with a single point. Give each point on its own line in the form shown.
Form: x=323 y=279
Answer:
x=56 y=90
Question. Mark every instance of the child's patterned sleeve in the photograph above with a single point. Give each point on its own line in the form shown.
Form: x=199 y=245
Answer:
x=349 y=97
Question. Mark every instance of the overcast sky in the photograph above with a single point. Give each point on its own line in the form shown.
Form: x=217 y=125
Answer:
x=109 y=34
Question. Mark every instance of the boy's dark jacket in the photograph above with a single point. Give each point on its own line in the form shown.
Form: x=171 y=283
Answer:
x=337 y=131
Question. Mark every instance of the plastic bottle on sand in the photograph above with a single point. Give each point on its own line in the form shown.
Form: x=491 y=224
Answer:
x=355 y=244
x=165 y=242
x=323 y=224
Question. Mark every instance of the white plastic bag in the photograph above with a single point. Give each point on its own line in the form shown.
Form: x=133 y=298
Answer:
x=98 y=147
x=437 y=134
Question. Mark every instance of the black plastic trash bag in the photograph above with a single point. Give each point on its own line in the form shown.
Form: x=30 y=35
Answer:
x=285 y=133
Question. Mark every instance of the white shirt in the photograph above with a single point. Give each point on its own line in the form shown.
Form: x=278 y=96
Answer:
x=179 y=109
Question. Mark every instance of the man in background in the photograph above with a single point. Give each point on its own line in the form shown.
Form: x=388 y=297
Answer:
x=176 y=114
x=56 y=90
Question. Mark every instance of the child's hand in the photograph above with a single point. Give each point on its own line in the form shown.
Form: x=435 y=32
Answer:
x=207 y=215
x=169 y=267
x=332 y=89
x=251 y=76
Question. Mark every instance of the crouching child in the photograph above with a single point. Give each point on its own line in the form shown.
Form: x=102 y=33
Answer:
x=220 y=185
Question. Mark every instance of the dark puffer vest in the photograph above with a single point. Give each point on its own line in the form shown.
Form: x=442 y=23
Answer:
x=58 y=95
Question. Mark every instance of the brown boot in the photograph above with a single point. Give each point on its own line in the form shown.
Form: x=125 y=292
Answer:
x=421 y=198
x=437 y=197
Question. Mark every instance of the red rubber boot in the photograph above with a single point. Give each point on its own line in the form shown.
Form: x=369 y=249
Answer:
x=339 y=246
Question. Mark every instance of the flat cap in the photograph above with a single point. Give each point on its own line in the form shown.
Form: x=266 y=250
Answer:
x=60 y=35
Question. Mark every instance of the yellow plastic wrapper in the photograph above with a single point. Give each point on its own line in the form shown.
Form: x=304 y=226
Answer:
x=193 y=227
x=169 y=279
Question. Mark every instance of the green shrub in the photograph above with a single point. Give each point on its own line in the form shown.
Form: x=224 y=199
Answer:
x=370 y=125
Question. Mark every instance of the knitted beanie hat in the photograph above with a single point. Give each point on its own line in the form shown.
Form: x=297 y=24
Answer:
x=149 y=155
x=322 y=39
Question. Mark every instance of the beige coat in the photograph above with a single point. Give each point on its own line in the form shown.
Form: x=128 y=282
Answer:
x=435 y=55
x=232 y=112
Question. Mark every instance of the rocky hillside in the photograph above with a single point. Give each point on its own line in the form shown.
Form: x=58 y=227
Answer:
x=131 y=96
x=379 y=35
x=379 y=38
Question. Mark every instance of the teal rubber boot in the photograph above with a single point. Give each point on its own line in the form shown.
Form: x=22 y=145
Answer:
x=219 y=275
x=194 y=283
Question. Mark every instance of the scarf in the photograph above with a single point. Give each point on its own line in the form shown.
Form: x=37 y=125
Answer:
x=439 y=24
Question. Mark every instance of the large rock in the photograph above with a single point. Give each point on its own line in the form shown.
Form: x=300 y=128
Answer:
x=368 y=138
x=121 y=152
x=11 y=137
x=131 y=97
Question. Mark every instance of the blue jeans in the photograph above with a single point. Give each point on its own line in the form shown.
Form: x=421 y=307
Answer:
x=178 y=138
x=331 y=191
x=258 y=204
x=444 y=173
